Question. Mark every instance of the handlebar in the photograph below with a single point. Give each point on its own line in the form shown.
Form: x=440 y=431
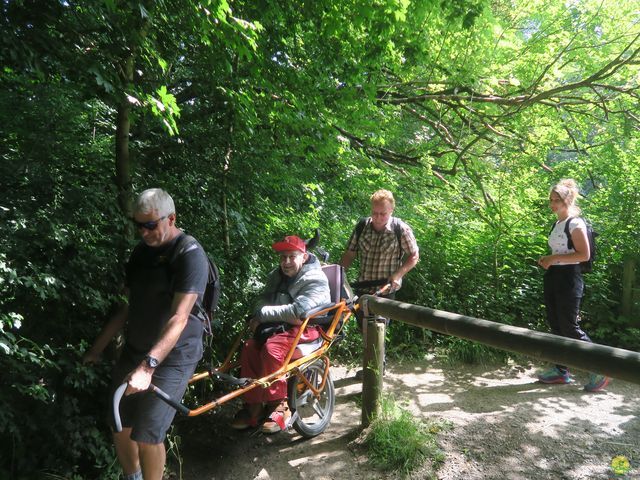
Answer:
x=119 y=393
x=386 y=289
x=384 y=284
x=117 y=396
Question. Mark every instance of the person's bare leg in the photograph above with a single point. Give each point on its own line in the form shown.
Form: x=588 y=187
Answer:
x=127 y=451
x=152 y=458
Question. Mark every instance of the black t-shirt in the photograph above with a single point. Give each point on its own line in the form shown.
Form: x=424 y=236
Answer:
x=154 y=275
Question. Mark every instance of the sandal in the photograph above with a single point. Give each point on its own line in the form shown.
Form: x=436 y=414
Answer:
x=278 y=420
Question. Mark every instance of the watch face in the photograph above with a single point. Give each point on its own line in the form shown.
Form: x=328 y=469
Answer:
x=152 y=362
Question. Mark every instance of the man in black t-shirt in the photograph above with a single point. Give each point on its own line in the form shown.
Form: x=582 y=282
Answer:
x=163 y=324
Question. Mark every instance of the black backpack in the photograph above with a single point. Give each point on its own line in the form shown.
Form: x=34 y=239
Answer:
x=395 y=224
x=586 y=266
x=213 y=289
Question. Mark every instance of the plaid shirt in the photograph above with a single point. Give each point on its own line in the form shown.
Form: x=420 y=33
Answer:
x=379 y=251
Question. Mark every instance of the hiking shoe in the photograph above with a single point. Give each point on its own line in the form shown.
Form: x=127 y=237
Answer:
x=277 y=421
x=554 y=375
x=596 y=383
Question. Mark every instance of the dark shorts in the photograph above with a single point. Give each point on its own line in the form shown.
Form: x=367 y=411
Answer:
x=147 y=415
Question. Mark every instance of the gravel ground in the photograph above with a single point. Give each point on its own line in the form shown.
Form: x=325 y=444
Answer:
x=505 y=426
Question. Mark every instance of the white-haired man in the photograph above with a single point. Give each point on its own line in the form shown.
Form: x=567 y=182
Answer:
x=296 y=286
x=166 y=276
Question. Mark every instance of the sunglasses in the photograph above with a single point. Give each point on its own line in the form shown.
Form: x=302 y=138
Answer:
x=148 y=225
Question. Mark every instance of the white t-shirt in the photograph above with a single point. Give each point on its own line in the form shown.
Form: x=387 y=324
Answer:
x=558 y=240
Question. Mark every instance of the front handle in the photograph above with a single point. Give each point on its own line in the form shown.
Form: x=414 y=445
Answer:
x=117 y=396
x=119 y=393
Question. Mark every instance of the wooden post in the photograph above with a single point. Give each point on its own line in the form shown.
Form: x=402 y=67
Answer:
x=373 y=365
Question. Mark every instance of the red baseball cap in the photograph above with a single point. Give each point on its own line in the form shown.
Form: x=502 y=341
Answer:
x=290 y=242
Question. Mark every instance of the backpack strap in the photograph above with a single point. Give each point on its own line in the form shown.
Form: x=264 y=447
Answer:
x=360 y=227
x=397 y=228
x=570 y=245
x=184 y=244
x=181 y=245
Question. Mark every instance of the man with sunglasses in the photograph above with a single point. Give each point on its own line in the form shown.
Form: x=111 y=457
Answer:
x=166 y=276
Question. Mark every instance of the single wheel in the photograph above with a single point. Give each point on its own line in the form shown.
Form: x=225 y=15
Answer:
x=311 y=413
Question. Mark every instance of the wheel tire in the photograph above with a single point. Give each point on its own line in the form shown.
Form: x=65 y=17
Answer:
x=313 y=414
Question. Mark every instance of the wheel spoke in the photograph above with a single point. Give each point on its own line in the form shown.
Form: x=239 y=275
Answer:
x=303 y=399
x=318 y=409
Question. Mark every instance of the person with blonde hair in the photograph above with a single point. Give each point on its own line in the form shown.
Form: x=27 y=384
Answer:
x=563 y=281
x=384 y=254
x=385 y=246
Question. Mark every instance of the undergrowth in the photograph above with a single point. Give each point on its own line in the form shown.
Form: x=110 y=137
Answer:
x=460 y=351
x=398 y=441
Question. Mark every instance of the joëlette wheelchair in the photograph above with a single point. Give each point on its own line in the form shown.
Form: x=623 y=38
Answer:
x=311 y=393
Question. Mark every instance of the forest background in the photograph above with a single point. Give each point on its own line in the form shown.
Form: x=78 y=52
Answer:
x=263 y=118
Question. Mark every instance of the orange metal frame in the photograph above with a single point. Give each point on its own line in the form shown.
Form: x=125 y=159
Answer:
x=342 y=312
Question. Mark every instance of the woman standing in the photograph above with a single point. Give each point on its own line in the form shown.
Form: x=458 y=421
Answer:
x=563 y=282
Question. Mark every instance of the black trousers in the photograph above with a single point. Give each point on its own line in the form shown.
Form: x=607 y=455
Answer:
x=563 y=293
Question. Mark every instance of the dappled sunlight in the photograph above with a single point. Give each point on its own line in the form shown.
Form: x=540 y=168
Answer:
x=513 y=464
x=426 y=399
x=498 y=382
x=596 y=409
x=328 y=461
x=434 y=378
x=506 y=425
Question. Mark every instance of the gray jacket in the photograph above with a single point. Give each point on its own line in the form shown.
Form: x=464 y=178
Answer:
x=286 y=301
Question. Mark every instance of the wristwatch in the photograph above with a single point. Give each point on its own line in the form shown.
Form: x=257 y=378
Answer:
x=151 y=362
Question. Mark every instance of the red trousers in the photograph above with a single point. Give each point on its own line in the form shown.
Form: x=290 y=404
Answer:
x=257 y=361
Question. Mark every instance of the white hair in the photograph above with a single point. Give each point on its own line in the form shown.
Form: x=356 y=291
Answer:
x=154 y=200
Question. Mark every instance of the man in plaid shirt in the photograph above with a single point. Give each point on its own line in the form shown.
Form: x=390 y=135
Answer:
x=383 y=256
x=387 y=250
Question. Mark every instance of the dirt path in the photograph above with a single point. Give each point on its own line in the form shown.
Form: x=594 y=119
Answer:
x=505 y=426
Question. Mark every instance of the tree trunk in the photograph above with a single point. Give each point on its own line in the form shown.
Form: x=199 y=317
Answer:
x=226 y=167
x=225 y=174
x=123 y=163
x=628 y=284
x=123 y=128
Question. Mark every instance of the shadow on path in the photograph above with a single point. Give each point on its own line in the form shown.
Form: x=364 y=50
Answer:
x=505 y=426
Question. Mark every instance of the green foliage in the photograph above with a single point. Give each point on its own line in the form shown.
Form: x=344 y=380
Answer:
x=398 y=441
x=58 y=276
x=276 y=118
x=407 y=342
x=459 y=351
x=351 y=347
x=50 y=397
x=174 y=442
